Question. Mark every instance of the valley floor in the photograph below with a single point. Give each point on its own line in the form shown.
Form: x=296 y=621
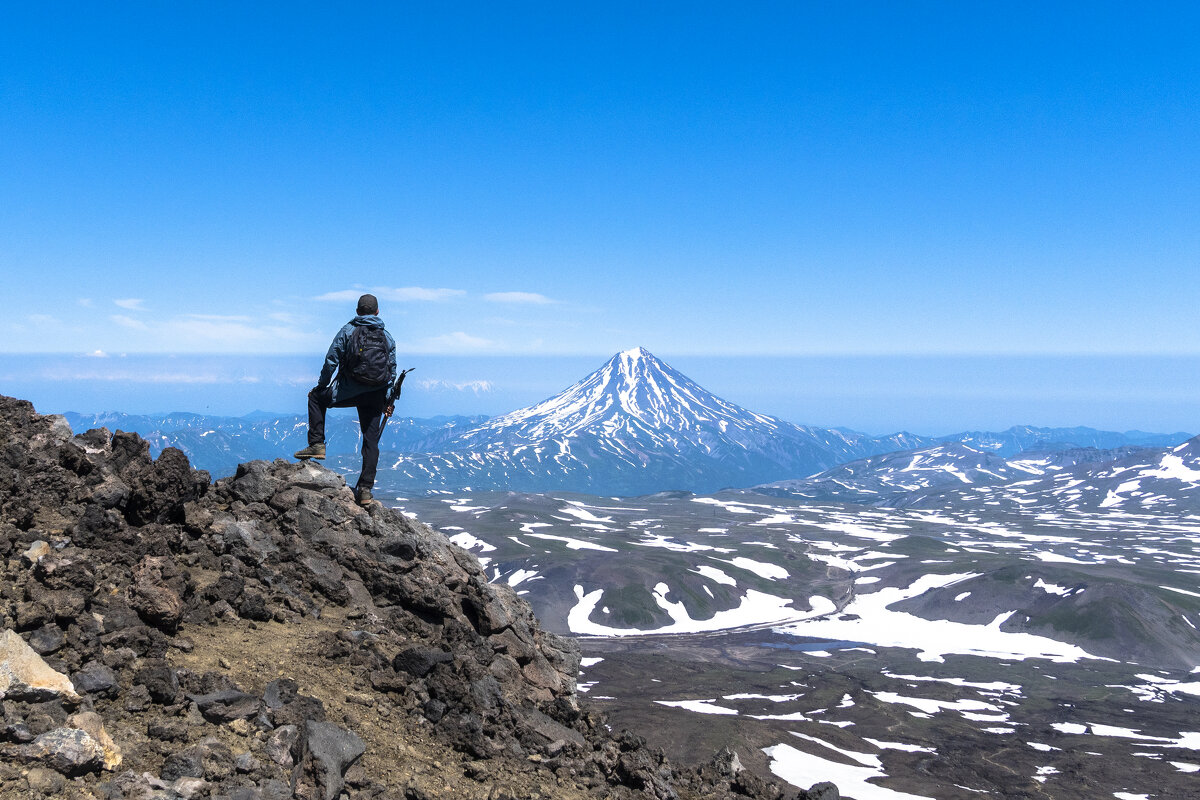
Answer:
x=898 y=653
x=884 y=725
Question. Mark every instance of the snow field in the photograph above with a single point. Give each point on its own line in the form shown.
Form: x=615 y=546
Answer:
x=879 y=625
x=803 y=769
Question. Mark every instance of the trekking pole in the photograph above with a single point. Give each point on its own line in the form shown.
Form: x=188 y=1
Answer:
x=394 y=394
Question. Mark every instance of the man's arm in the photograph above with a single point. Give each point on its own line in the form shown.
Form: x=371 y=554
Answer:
x=391 y=359
x=333 y=357
x=391 y=407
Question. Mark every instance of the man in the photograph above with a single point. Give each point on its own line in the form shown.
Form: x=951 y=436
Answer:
x=364 y=356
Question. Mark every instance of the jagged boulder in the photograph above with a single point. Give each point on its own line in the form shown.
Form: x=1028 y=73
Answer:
x=154 y=592
x=24 y=675
x=71 y=751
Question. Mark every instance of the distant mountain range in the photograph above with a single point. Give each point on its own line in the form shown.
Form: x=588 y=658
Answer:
x=1022 y=438
x=1129 y=479
x=219 y=444
x=634 y=426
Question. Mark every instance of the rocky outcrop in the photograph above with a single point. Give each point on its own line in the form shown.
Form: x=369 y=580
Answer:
x=115 y=566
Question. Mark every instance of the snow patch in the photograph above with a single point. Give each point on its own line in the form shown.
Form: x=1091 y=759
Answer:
x=468 y=542
x=760 y=568
x=698 y=706
x=714 y=574
x=575 y=544
x=800 y=768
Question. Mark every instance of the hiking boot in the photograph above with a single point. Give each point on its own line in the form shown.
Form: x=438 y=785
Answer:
x=312 y=451
x=363 y=497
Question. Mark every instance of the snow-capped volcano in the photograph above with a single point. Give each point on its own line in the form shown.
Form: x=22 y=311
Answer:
x=635 y=425
x=632 y=397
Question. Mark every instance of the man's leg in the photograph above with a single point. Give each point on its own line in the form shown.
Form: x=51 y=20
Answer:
x=319 y=401
x=370 y=421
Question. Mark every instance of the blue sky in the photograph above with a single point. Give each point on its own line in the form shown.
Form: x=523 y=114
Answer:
x=703 y=179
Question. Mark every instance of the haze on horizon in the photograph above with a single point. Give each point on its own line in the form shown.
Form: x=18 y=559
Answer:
x=927 y=205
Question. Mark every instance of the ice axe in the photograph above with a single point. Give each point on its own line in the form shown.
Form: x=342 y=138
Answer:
x=394 y=395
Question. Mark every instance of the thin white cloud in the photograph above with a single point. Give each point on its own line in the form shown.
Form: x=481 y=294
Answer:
x=128 y=322
x=475 y=387
x=41 y=319
x=221 y=331
x=539 y=324
x=344 y=296
x=143 y=376
x=179 y=369
x=131 y=303
x=217 y=317
x=524 y=298
x=455 y=342
x=216 y=329
x=86 y=302
x=404 y=294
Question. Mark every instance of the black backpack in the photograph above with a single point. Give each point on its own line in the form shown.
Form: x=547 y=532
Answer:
x=366 y=358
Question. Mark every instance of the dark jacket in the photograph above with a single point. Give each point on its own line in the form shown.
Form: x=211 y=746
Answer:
x=346 y=387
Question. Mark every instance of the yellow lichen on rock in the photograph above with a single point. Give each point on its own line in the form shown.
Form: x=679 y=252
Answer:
x=91 y=723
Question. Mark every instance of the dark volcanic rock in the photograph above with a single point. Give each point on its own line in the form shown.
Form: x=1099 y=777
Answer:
x=187 y=763
x=330 y=752
x=47 y=639
x=419 y=661
x=823 y=791
x=95 y=679
x=279 y=693
x=168 y=730
x=296 y=711
x=159 y=679
x=226 y=705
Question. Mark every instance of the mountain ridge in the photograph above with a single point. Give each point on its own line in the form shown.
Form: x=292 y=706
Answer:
x=957 y=475
x=265 y=637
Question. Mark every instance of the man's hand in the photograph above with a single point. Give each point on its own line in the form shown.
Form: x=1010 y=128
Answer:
x=390 y=409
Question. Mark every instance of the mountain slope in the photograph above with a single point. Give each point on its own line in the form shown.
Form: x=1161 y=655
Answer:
x=883 y=479
x=1131 y=480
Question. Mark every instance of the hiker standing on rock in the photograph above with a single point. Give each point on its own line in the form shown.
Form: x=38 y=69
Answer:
x=364 y=357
